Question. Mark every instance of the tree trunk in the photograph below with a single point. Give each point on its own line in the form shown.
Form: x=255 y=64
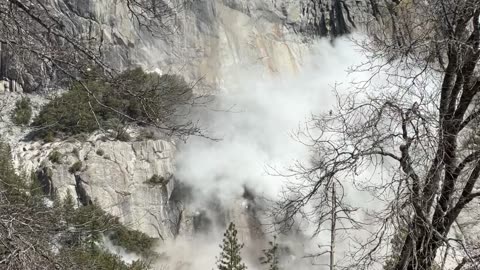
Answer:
x=419 y=251
x=3 y=61
x=332 y=229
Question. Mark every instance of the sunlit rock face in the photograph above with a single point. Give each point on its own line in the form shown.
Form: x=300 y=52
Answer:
x=203 y=39
x=217 y=37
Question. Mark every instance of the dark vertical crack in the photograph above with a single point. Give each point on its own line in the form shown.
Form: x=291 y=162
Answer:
x=44 y=178
x=82 y=194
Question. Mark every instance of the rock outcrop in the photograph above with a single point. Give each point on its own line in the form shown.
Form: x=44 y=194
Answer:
x=115 y=175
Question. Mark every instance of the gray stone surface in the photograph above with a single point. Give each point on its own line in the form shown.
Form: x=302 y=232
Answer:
x=204 y=39
x=114 y=175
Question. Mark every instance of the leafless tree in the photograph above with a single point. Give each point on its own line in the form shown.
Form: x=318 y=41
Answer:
x=39 y=43
x=414 y=123
x=40 y=32
x=27 y=225
x=470 y=260
x=330 y=214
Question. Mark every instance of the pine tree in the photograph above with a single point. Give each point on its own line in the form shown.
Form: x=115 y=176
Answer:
x=230 y=258
x=270 y=255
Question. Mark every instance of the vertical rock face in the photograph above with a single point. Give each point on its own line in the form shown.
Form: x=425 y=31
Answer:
x=325 y=18
x=115 y=175
x=339 y=17
x=134 y=181
x=204 y=39
x=216 y=37
x=212 y=39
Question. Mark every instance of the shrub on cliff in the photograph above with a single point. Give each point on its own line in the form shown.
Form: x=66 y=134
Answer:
x=96 y=258
x=157 y=180
x=77 y=166
x=132 y=240
x=25 y=221
x=100 y=103
x=69 y=113
x=92 y=222
x=55 y=156
x=23 y=112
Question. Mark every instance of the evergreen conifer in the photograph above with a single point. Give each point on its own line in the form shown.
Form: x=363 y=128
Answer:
x=230 y=258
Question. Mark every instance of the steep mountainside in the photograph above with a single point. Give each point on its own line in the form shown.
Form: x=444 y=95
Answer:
x=208 y=40
x=201 y=39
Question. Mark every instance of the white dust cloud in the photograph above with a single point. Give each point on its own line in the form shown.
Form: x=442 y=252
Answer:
x=255 y=115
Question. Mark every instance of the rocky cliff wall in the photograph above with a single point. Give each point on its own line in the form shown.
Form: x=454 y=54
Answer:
x=212 y=38
x=201 y=39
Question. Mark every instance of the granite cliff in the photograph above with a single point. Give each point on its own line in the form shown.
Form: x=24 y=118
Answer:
x=208 y=40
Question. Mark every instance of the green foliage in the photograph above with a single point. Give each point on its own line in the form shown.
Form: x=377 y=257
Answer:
x=27 y=221
x=99 y=259
x=94 y=222
x=94 y=216
x=146 y=134
x=80 y=230
x=68 y=204
x=77 y=166
x=55 y=156
x=48 y=137
x=132 y=240
x=157 y=180
x=270 y=256
x=90 y=222
x=132 y=97
x=67 y=114
x=100 y=152
x=23 y=112
x=230 y=258
x=11 y=183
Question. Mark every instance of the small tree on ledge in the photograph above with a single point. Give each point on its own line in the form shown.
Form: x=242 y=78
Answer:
x=230 y=258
